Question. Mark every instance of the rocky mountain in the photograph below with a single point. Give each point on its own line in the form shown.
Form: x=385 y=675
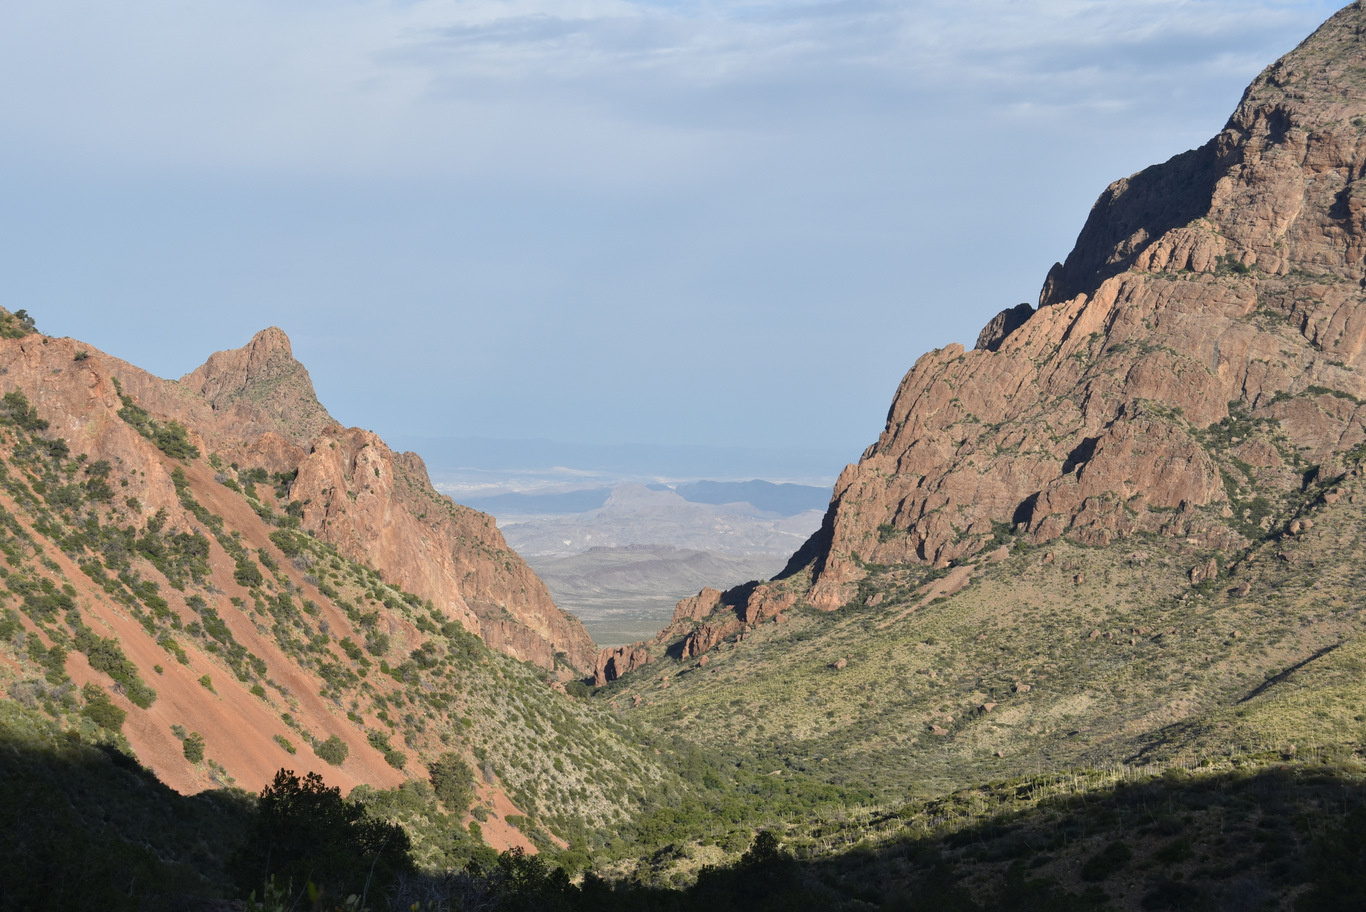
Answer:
x=255 y=407
x=1162 y=461
x=1201 y=347
x=1119 y=538
x=1082 y=629
x=218 y=557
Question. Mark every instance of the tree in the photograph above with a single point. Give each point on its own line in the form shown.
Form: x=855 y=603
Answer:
x=333 y=750
x=305 y=832
x=453 y=782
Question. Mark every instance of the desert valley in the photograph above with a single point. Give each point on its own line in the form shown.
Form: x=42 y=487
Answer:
x=1082 y=627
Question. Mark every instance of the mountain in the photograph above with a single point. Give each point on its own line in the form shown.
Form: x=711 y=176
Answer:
x=216 y=557
x=637 y=514
x=1122 y=534
x=1194 y=364
x=783 y=499
x=1082 y=629
x=255 y=407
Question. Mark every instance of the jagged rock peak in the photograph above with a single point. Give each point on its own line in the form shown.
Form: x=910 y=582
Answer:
x=1203 y=345
x=1277 y=189
x=265 y=375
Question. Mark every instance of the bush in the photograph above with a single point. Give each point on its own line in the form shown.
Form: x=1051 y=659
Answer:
x=21 y=413
x=15 y=325
x=101 y=710
x=1108 y=861
x=453 y=781
x=247 y=573
x=193 y=747
x=333 y=751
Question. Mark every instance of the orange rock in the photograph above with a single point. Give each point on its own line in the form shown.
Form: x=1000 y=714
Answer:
x=1076 y=419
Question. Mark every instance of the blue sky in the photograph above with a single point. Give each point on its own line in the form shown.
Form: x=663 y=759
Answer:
x=598 y=221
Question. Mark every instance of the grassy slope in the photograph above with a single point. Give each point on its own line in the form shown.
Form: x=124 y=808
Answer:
x=1129 y=667
x=389 y=669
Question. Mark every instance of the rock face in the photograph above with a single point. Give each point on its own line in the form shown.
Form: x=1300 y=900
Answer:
x=264 y=378
x=1219 y=291
x=380 y=507
x=1002 y=325
x=256 y=407
x=620 y=660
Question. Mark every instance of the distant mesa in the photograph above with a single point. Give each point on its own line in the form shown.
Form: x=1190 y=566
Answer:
x=780 y=499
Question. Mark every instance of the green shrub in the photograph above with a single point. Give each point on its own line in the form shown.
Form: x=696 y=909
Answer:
x=305 y=832
x=101 y=710
x=247 y=573
x=15 y=325
x=333 y=751
x=193 y=747
x=16 y=404
x=1110 y=860
x=453 y=781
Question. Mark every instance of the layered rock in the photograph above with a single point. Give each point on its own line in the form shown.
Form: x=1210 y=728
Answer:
x=1230 y=277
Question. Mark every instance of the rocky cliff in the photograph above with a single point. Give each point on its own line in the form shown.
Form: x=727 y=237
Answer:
x=1195 y=359
x=255 y=407
x=1220 y=290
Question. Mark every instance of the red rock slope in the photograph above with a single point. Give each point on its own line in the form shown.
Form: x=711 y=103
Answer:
x=255 y=406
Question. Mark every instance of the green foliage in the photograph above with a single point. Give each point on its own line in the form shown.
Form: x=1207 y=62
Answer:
x=247 y=573
x=1110 y=860
x=290 y=543
x=84 y=826
x=333 y=750
x=101 y=710
x=305 y=832
x=453 y=782
x=104 y=654
x=16 y=325
x=15 y=408
x=193 y=747
x=170 y=437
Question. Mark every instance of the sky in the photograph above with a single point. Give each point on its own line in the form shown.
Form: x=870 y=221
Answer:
x=712 y=223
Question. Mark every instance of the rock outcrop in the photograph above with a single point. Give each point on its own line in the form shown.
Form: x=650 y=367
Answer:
x=1002 y=325
x=256 y=407
x=1221 y=289
x=265 y=378
x=616 y=661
